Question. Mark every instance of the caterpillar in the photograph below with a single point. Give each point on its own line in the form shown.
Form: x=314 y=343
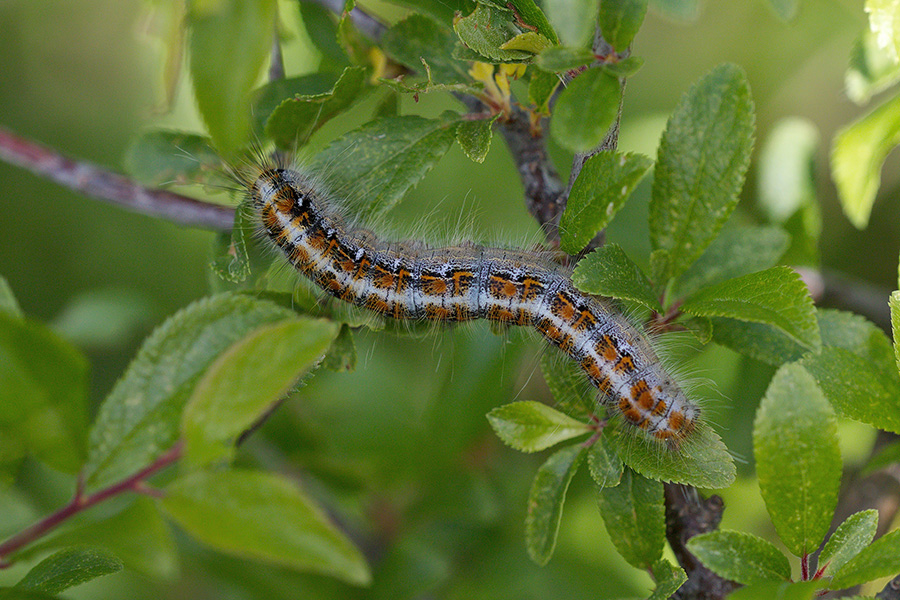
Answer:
x=464 y=282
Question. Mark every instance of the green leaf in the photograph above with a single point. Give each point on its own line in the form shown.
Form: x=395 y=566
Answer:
x=486 y=30
x=297 y=118
x=740 y=557
x=703 y=156
x=140 y=418
x=341 y=357
x=263 y=517
x=798 y=460
x=894 y=303
x=545 y=501
x=574 y=20
x=157 y=158
x=604 y=463
x=105 y=319
x=137 y=535
x=383 y=159
x=737 y=251
x=541 y=89
x=857 y=334
x=871 y=70
x=701 y=460
x=529 y=41
x=607 y=271
x=786 y=175
x=231 y=257
x=19 y=594
x=776 y=297
x=229 y=41
x=604 y=184
x=270 y=96
x=623 y=68
x=566 y=381
x=884 y=21
x=585 y=110
x=880 y=559
x=857 y=153
x=43 y=393
x=321 y=27
x=799 y=590
x=785 y=9
x=68 y=568
x=856 y=387
x=635 y=518
x=757 y=340
x=8 y=302
x=621 y=20
x=532 y=426
x=418 y=38
x=561 y=58
x=681 y=10
x=474 y=137
x=531 y=14
x=887 y=455
x=668 y=579
x=854 y=534
x=246 y=380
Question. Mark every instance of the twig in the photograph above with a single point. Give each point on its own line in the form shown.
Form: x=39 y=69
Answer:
x=80 y=502
x=103 y=184
x=687 y=515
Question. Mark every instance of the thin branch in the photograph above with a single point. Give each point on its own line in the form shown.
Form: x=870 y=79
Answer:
x=80 y=502
x=101 y=183
x=687 y=515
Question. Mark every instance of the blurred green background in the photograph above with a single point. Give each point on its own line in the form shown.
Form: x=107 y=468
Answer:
x=400 y=447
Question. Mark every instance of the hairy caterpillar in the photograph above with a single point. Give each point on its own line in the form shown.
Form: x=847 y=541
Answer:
x=411 y=280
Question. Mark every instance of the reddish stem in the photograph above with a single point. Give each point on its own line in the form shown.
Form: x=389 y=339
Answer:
x=804 y=567
x=80 y=502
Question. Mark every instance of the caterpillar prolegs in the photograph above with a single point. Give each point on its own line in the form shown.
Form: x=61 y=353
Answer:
x=466 y=282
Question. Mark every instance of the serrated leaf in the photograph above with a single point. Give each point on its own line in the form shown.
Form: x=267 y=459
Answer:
x=140 y=418
x=607 y=271
x=785 y=9
x=854 y=534
x=634 y=515
x=604 y=463
x=8 y=302
x=246 y=380
x=620 y=21
x=68 y=568
x=531 y=14
x=418 y=37
x=264 y=517
x=585 y=110
x=541 y=89
x=43 y=393
x=137 y=535
x=737 y=251
x=271 y=95
x=223 y=74
x=341 y=357
x=757 y=340
x=798 y=590
x=383 y=159
x=573 y=20
x=702 y=159
x=798 y=460
x=567 y=383
x=668 y=579
x=486 y=30
x=856 y=387
x=740 y=557
x=880 y=559
x=894 y=303
x=871 y=70
x=296 y=119
x=857 y=154
x=545 y=501
x=474 y=137
x=19 y=594
x=786 y=175
x=604 y=184
x=533 y=426
x=561 y=58
x=231 y=257
x=776 y=297
x=157 y=158
x=623 y=68
x=701 y=460
x=530 y=41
